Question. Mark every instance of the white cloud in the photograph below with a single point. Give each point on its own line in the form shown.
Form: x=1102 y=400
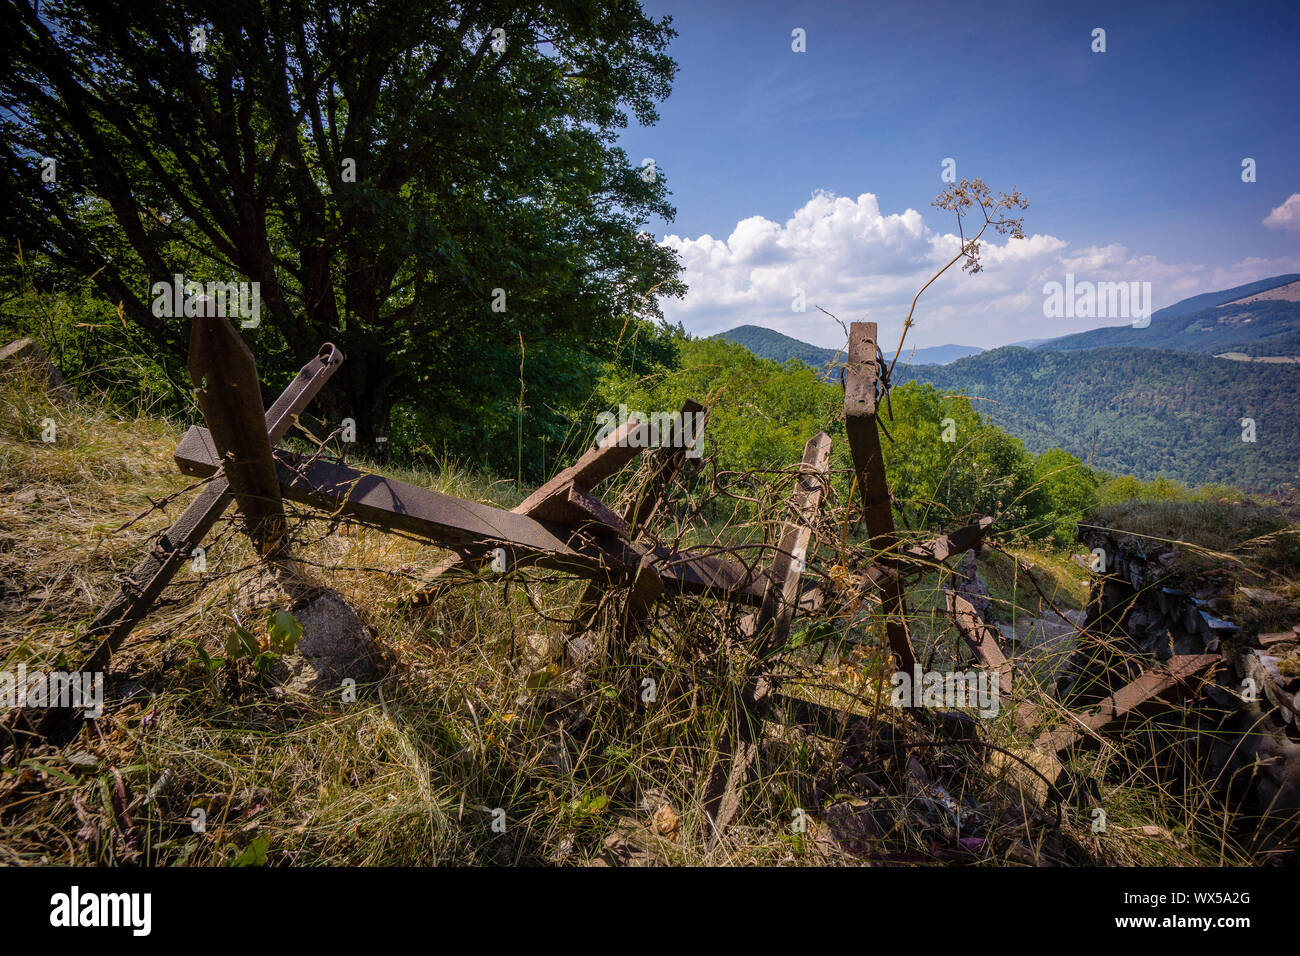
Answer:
x=857 y=262
x=1285 y=216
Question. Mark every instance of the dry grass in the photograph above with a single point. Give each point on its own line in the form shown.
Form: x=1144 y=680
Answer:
x=476 y=709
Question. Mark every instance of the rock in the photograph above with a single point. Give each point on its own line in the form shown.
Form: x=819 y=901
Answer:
x=1278 y=637
x=630 y=844
x=579 y=651
x=541 y=649
x=1260 y=595
x=335 y=646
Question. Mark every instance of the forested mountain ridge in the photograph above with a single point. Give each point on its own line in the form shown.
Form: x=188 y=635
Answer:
x=1159 y=401
x=1154 y=411
x=1212 y=323
x=769 y=344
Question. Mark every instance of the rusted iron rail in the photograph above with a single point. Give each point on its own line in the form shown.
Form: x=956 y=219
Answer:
x=860 y=383
x=768 y=629
x=983 y=641
x=914 y=560
x=1152 y=691
x=146 y=582
x=456 y=522
x=666 y=464
x=566 y=498
x=227 y=390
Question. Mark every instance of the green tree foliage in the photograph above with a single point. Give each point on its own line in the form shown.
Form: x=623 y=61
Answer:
x=216 y=140
x=947 y=465
x=761 y=413
x=1072 y=487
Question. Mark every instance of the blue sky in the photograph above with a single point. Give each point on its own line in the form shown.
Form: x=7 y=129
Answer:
x=1131 y=158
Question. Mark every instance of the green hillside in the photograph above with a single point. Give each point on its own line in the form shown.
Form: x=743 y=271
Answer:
x=768 y=344
x=1155 y=411
x=1203 y=323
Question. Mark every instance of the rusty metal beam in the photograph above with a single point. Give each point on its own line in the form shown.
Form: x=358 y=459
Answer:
x=565 y=499
x=772 y=621
x=550 y=502
x=769 y=626
x=456 y=522
x=915 y=559
x=154 y=572
x=647 y=588
x=1152 y=691
x=226 y=388
x=983 y=641
x=869 y=464
x=665 y=465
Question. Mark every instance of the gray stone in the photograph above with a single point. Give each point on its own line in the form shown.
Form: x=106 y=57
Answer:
x=335 y=646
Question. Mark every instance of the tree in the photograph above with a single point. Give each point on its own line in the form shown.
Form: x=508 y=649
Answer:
x=947 y=465
x=1072 y=486
x=387 y=172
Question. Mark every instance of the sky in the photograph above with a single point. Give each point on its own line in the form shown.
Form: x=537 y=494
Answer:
x=815 y=170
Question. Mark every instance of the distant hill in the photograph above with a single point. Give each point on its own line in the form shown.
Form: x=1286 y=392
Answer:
x=1155 y=411
x=768 y=344
x=1160 y=402
x=1211 y=323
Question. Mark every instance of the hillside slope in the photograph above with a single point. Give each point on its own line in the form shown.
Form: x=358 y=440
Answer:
x=768 y=344
x=1211 y=323
x=1155 y=411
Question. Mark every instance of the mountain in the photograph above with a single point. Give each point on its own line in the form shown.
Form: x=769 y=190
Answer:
x=1154 y=411
x=1158 y=399
x=768 y=344
x=1257 y=319
x=937 y=354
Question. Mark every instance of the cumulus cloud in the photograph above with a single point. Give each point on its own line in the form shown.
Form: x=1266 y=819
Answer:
x=858 y=262
x=1285 y=216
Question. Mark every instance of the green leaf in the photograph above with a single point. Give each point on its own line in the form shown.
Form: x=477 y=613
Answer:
x=240 y=643
x=285 y=631
x=254 y=854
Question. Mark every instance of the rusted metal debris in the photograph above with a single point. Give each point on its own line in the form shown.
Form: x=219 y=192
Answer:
x=456 y=522
x=860 y=384
x=666 y=465
x=1153 y=691
x=566 y=498
x=226 y=388
x=768 y=629
x=772 y=622
x=983 y=641
x=146 y=582
x=562 y=526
